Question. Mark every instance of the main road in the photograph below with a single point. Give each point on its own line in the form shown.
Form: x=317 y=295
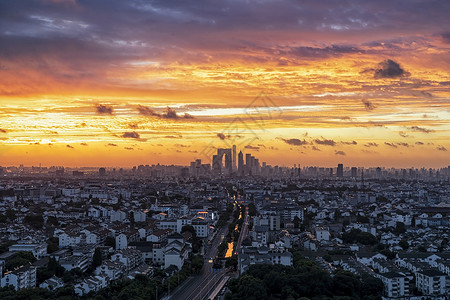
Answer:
x=200 y=286
x=244 y=231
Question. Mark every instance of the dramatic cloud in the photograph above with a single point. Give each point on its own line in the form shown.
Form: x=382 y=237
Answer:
x=221 y=136
x=170 y=113
x=147 y=111
x=69 y=146
x=68 y=63
x=131 y=134
x=441 y=148
x=250 y=147
x=325 y=142
x=339 y=153
x=390 y=144
x=420 y=129
x=368 y=105
x=295 y=142
x=371 y=144
x=83 y=144
x=403 y=144
x=419 y=143
x=315 y=52
x=389 y=69
x=104 y=109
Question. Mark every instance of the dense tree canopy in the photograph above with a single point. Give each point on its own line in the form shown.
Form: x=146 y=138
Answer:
x=304 y=279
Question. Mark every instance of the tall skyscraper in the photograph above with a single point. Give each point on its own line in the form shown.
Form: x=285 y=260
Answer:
x=241 y=163
x=102 y=171
x=340 y=171
x=354 y=172
x=234 y=158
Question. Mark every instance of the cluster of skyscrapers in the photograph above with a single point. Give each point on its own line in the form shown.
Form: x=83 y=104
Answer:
x=227 y=162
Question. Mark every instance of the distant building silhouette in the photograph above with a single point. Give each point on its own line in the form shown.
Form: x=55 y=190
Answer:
x=340 y=171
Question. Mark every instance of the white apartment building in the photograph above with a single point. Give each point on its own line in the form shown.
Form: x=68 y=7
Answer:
x=24 y=277
x=431 y=282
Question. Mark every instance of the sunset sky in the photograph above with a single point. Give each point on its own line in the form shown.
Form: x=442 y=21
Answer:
x=123 y=83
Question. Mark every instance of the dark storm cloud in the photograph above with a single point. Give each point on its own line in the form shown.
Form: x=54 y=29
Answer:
x=131 y=134
x=104 y=109
x=295 y=142
x=389 y=69
x=325 y=142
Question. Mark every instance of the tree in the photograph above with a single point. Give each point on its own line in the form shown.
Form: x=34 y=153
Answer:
x=404 y=244
x=399 y=228
x=371 y=287
x=248 y=287
x=232 y=262
x=35 y=221
x=252 y=209
x=52 y=220
x=110 y=241
x=197 y=263
x=20 y=259
x=97 y=259
x=189 y=228
x=356 y=235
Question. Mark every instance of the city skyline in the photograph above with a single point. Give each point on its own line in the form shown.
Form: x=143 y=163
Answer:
x=95 y=83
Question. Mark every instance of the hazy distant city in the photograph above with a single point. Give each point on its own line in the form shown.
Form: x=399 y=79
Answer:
x=191 y=232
